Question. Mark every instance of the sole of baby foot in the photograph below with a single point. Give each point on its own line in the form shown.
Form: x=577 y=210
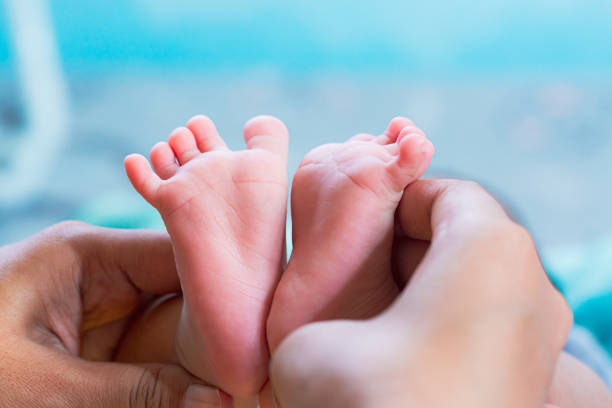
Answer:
x=225 y=212
x=344 y=198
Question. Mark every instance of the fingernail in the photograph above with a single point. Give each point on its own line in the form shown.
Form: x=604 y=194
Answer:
x=199 y=396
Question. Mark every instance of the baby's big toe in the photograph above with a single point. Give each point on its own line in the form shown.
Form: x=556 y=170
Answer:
x=413 y=158
x=268 y=133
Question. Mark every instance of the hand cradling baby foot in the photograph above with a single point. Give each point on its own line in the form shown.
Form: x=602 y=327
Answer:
x=225 y=213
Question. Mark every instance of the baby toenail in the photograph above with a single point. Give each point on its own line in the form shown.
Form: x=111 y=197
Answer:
x=424 y=146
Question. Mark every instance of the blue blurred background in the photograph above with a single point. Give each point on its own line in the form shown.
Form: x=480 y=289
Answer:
x=515 y=94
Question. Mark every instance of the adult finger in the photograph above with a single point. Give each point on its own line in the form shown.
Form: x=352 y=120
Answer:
x=407 y=254
x=145 y=257
x=162 y=386
x=437 y=206
x=71 y=382
x=100 y=271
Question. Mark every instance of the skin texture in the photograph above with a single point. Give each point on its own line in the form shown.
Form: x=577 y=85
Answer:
x=575 y=386
x=343 y=202
x=37 y=295
x=225 y=212
x=444 y=332
x=381 y=165
x=66 y=295
x=320 y=354
x=325 y=187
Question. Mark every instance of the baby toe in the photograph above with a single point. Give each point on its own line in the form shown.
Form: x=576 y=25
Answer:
x=413 y=158
x=205 y=133
x=183 y=144
x=362 y=137
x=268 y=133
x=163 y=160
x=393 y=130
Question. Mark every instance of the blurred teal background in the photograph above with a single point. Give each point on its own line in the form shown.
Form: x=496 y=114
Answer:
x=514 y=94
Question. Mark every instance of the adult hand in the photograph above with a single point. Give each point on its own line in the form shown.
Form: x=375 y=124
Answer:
x=66 y=296
x=479 y=323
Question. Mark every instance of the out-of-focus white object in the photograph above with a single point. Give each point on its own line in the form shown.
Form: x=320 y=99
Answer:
x=44 y=97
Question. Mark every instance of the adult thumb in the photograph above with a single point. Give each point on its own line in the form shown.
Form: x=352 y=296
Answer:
x=159 y=386
x=73 y=382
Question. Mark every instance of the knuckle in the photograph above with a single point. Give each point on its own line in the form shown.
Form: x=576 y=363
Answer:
x=148 y=391
x=457 y=185
x=71 y=237
x=512 y=238
x=471 y=185
x=69 y=231
x=564 y=318
x=522 y=237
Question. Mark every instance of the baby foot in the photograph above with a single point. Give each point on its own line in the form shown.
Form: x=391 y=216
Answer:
x=343 y=204
x=225 y=213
